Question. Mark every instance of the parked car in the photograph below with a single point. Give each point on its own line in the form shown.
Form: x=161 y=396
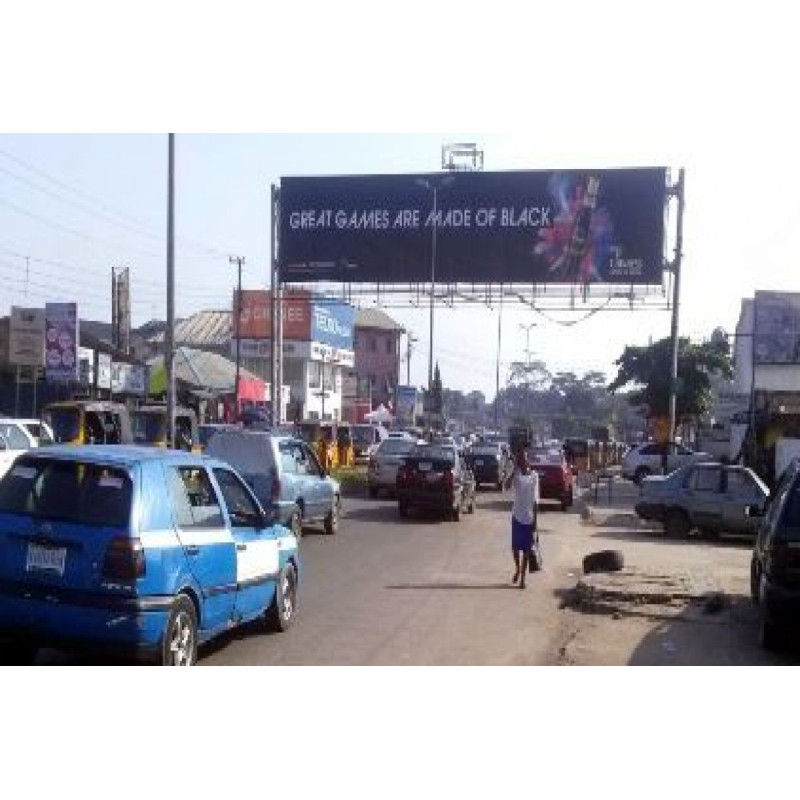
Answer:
x=646 y=459
x=710 y=496
x=366 y=439
x=19 y=435
x=285 y=475
x=146 y=550
x=384 y=463
x=775 y=564
x=489 y=464
x=556 y=480
x=435 y=478
x=205 y=432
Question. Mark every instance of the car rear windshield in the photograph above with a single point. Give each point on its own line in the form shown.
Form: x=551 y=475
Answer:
x=363 y=434
x=396 y=447
x=72 y=491
x=485 y=451
x=65 y=423
x=433 y=453
x=576 y=448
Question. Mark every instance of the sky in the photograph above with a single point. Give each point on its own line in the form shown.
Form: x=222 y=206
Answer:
x=78 y=204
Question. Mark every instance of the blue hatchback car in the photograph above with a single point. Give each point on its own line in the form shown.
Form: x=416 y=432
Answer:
x=148 y=551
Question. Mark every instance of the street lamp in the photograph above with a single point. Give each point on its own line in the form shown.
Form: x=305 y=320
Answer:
x=433 y=186
x=527 y=329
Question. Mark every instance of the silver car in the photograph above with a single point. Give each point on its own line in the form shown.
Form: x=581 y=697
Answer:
x=384 y=463
x=711 y=497
x=646 y=459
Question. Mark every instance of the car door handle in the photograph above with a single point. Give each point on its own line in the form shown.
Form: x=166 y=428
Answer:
x=192 y=550
x=241 y=546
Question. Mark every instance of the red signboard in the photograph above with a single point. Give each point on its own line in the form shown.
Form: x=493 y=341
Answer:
x=255 y=317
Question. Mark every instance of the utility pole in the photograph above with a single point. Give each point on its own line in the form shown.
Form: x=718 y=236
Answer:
x=527 y=329
x=676 y=191
x=238 y=260
x=169 y=338
x=497 y=371
x=411 y=340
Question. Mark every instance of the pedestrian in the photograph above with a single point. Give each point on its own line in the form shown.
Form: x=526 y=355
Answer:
x=523 y=515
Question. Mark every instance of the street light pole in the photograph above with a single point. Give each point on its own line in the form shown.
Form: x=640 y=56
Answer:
x=238 y=260
x=527 y=329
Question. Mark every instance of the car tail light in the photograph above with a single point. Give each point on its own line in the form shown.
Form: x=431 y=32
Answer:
x=124 y=559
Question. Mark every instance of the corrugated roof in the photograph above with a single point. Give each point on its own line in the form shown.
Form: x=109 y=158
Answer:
x=204 y=329
x=376 y=319
x=205 y=370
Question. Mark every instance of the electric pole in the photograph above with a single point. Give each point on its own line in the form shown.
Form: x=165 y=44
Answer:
x=169 y=338
x=238 y=260
x=678 y=192
x=411 y=340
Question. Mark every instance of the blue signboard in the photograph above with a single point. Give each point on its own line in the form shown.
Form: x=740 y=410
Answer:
x=332 y=323
x=406 y=403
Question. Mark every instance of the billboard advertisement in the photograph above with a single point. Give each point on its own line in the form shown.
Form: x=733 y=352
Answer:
x=103 y=371
x=26 y=337
x=537 y=227
x=777 y=328
x=61 y=341
x=333 y=323
x=406 y=404
x=128 y=379
x=86 y=366
x=255 y=318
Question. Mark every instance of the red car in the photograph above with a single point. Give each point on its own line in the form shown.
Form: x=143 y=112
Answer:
x=556 y=481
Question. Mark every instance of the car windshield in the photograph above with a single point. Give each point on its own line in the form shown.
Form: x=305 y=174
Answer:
x=73 y=491
x=65 y=423
x=363 y=434
x=395 y=447
x=149 y=427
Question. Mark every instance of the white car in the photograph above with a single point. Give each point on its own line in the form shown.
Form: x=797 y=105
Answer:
x=19 y=435
x=645 y=459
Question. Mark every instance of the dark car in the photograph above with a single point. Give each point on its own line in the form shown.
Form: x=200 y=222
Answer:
x=556 y=481
x=775 y=566
x=436 y=478
x=489 y=464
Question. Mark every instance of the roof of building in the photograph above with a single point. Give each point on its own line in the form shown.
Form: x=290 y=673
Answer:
x=376 y=319
x=204 y=329
x=205 y=370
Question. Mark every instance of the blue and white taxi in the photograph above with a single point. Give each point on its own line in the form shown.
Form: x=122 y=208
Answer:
x=151 y=551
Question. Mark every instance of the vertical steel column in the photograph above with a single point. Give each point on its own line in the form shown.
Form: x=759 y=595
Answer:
x=169 y=338
x=676 y=268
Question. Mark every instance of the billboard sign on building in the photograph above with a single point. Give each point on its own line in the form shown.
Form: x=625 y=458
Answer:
x=333 y=323
x=61 y=341
x=86 y=366
x=406 y=404
x=777 y=328
x=103 y=371
x=255 y=317
x=26 y=337
x=128 y=379
x=534 y=227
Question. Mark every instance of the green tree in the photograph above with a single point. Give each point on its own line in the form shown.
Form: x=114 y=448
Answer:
x=647 y=371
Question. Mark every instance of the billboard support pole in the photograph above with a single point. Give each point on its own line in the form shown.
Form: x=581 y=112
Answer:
x=238 y=260
x=169 y=350
x=275 y=346
x=497 y=369
x=678 y=191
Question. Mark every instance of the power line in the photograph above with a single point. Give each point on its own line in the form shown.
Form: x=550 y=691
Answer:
x=143 y=226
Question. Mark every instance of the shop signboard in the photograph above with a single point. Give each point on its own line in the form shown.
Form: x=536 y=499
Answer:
x=26 y=337
x=61 y=341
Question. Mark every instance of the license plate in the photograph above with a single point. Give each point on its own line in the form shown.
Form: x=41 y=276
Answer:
x=478 y=462
x=425 y=466
x=46 y=559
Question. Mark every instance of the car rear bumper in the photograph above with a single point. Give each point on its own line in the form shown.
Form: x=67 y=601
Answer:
x=385 y=478
x=45 y=616
x=442 y=502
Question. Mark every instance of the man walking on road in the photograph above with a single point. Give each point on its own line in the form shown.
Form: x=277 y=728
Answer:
x=523 y=515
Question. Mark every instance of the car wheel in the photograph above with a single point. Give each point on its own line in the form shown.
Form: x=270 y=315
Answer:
x=281 y=611
x=566 y=502
x=179 y=645
x=499 y=486
x=373 y=492
x=456 y=512
x=332 y=517
x=471 y=506
x=677 y=523
x=296 y=523
x=402 y=508
x=640 y=474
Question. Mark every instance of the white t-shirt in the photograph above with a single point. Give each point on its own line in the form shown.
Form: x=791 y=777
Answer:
x=526 y=493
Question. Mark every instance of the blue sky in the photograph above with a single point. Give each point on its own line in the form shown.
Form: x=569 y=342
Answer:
x=79 y=204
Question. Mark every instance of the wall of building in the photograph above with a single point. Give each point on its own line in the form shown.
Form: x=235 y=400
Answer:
x=378 y=359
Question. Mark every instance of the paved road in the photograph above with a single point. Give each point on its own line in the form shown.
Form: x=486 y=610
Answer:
x=420 y=591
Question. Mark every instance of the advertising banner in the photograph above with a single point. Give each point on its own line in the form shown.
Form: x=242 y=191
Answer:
x=61 y=341
x=537 y=227
x=128 y=379
x=26 y=337
x=777 y=328
x=86 y=366
x=103 y=371
x=333 y=323
x=255 y=318
x=406 y=404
